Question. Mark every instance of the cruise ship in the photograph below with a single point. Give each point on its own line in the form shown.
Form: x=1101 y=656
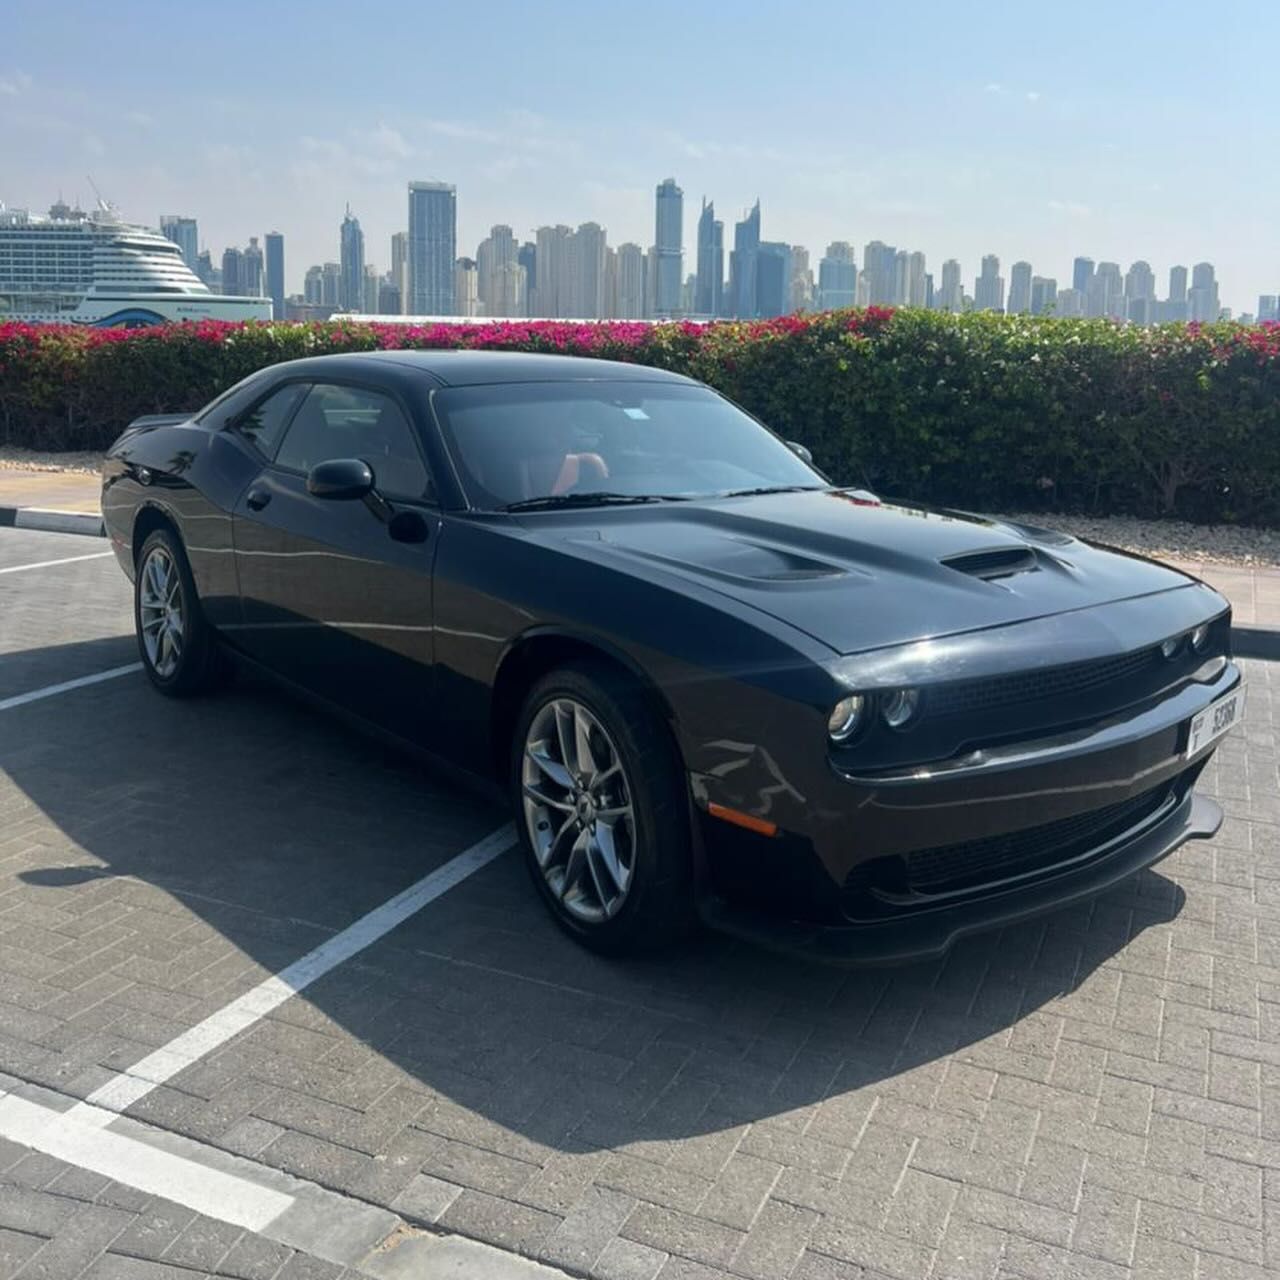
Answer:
x=72 y=267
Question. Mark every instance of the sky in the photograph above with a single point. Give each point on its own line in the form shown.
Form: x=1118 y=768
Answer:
x=1033 y=130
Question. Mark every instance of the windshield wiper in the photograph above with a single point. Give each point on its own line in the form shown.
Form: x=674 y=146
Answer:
x=773 y=488
x=597 y=498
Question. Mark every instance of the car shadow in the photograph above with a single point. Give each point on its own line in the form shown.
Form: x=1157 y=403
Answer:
x=273 y=825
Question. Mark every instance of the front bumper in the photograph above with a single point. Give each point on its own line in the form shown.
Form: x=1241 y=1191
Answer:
x=927 y=934
x=837 y=880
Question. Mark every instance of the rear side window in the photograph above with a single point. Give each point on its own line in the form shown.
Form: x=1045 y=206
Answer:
x=265 y=423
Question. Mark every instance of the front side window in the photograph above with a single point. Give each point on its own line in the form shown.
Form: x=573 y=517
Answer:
x=517 y=443
x=264 y=424
x=350 y=422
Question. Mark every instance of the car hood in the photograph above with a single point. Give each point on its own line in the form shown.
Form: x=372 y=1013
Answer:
x=858 y=576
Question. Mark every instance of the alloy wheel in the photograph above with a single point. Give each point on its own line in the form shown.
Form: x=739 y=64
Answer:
x=578 y=810
x=161 y=612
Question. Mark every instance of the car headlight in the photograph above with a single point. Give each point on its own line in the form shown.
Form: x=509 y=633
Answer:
x=846 y=717
x=1200 y=638
x=1170 y=647
x=900 y=707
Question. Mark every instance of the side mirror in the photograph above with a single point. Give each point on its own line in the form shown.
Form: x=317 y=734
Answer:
x=340 y=478
x=800 y=451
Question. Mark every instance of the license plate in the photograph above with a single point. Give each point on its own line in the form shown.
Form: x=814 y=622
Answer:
x=1214 y=721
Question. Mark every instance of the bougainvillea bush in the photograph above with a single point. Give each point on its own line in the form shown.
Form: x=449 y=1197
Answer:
x=980 y=411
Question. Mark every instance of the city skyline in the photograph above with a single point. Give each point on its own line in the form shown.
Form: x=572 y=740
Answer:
x=582 y=276
x=1125 y=132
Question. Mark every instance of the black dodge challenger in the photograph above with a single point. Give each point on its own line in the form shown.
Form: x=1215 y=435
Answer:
x=712 y=683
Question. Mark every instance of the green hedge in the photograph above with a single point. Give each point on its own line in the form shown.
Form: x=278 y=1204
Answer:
x=980 y=410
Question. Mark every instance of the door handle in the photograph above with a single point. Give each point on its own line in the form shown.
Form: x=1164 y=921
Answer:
x=257 y=499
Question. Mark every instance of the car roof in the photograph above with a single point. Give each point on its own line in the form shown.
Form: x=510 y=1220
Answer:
x=471 y=368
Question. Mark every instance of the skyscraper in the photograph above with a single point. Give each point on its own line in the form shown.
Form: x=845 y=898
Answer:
x=1081 y=274
x=331 y=284
x=232 y=260
x=708 y=292
x=1070 y=302
x=554 y=245
x=433 y=238
x=1105 y=294
x=275 y=273
x=901 y=278
x=252 y=270
x=801 y=280
x=742 y=264
x=951 y=295
x=400 y=266
x=1268 y=307
x=1140 y=293
x=837 y=277
x=917 y=289
x=668 y=243
x=369 y=290
x=182 y=231
x=773 y=278
x=313 y=287
x=527 y=256
x=878 y=265
x=587 y=272
x=1019 y=288
x=501 y=285
x=1044 y=295
x=1202 y=300
x=351 y=258
x=630 y=270
x=466 y=288
x=988 y=288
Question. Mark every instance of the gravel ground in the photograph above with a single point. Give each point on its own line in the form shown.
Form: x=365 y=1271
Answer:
x=13 y=458
x=1172 y=539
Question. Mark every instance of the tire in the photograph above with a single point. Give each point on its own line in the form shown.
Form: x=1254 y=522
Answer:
x=179 y=649
x=617 y=885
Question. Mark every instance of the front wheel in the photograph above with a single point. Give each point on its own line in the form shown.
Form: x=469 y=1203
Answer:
x=603 y=811
x=178 y=648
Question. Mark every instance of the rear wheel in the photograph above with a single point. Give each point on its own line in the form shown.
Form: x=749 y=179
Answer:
x=602 y=808
x=178 y=648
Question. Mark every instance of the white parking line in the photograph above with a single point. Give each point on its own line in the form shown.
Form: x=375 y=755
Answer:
x=52 y=690
x=49 y=564
x=66 y=1136
x=123 y=1090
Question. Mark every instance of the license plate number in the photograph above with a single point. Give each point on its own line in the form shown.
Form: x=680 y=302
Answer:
x=1214 y=721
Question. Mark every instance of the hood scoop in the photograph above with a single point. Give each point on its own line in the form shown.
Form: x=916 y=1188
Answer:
x=999 y=562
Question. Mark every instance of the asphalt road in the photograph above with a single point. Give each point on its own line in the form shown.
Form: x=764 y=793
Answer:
x=1096 y=1094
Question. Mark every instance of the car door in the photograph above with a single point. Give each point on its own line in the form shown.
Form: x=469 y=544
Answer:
x=336 y=593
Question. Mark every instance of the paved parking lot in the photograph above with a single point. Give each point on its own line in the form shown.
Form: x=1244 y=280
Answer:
x=1093 y=1095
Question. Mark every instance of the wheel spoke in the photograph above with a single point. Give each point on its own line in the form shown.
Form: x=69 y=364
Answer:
x=539 y=796
x=175 y=641
x=607 y=900
x=575 y=863
x=608 y=846
x=584 y=761
x=552 y=768
x=151 y=623
x=564 y=738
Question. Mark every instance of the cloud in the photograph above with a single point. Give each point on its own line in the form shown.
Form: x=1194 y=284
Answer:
x=389 y=141
x=141 y=119
x=1033 y=95
x=13 y=83
x=1071 y=208
x=995 y=88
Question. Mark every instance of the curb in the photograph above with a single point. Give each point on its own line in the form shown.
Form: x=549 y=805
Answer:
x=1255 y=642
x=52 y=521
x=1246 y=642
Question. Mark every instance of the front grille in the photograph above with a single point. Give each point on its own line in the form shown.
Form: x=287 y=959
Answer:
x=972 y=862
x=966 y=697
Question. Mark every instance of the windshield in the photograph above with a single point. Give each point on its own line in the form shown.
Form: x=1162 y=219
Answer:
x=518 y=444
